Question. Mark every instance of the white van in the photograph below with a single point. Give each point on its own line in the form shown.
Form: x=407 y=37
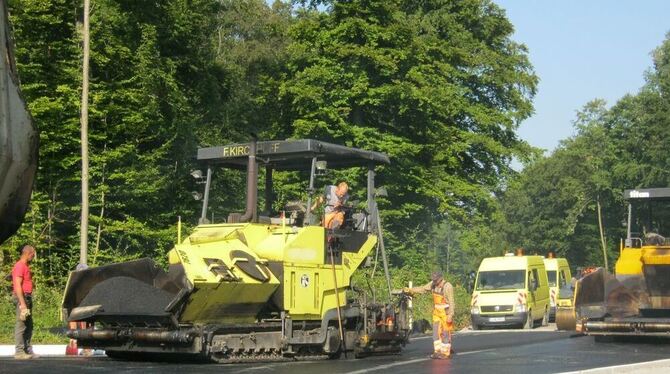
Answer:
x=558 y=274
x=510 y=291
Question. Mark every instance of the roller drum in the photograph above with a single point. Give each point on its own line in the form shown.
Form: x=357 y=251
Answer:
x=565 y=319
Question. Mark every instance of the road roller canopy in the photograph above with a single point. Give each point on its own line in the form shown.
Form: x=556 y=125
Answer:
x=648 y=216
x=291 y=155
x=647 y=194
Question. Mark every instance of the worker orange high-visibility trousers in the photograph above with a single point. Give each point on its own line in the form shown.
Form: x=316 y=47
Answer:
x=441 y=328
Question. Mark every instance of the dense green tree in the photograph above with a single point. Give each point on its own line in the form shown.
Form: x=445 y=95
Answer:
x=553 y=204
x=156 y=89
x=48 y=57
x=438 y=85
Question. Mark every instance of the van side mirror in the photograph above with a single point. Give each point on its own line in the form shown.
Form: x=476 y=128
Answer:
x=534 y=286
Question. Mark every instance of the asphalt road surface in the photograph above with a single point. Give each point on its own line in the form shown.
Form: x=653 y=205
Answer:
x=500 y=351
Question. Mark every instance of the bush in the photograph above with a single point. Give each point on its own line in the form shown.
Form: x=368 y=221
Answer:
x=48 y=329
x=422 y=304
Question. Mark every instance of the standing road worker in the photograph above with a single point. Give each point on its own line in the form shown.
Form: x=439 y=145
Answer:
x=22 y=280
x=443 y=312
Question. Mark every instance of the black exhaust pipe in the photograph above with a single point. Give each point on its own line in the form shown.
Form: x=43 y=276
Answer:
x=137 y=335
x=250 y=215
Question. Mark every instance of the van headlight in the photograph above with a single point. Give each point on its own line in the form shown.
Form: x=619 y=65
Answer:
x=474 y=310
x=520 y=308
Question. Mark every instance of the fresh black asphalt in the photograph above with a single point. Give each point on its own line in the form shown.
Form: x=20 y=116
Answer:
x=476 y=352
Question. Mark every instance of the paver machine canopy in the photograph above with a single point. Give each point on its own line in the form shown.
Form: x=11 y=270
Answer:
x=303 y=154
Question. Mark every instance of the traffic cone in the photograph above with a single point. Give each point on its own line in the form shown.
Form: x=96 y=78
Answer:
x=71 y=348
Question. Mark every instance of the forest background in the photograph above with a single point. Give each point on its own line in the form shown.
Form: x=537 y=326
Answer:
x=438 y=85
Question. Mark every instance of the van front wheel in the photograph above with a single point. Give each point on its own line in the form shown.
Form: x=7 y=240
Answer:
x=529 y=321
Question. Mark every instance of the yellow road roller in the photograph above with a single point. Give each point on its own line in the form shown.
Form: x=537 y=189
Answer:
x=635 y=300
x=565 y=307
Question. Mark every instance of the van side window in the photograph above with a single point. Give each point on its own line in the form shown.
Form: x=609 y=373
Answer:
x=561 y=279
x=532 y=279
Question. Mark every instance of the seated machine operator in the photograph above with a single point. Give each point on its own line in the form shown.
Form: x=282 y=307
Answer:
x=335 y=198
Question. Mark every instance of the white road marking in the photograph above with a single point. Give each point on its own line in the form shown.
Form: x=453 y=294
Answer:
x=382 y=367
x=420 y=338
x=254 y=368
x=479 y=351
x=657 y=366
x=388 y=366
x=272 y=366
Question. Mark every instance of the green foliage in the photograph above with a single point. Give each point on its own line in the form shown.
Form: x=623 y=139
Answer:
x=375 y=284
x=439 y=86
x=46 y=317
x=156 y=90
x=552 y=205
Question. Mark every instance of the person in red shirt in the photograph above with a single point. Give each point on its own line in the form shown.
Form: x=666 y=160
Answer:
x=22 y=280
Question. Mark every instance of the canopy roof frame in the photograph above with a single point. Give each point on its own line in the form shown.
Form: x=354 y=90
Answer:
x=643 y=194
x=291 y=155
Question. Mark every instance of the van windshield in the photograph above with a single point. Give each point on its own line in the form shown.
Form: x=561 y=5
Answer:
x=551 y=276
x=501 y=280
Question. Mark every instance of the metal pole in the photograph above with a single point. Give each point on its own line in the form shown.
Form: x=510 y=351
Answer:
x=630 y=218
x=337 y=299
x=371 y=199
x=381 y=244
x=310 y=192
x=178 y=229
x=205 y=202
x=251 y=212
x=268 y=191
x=410 y=306
x=83 y=234
x=376 y=223
x=602 y=234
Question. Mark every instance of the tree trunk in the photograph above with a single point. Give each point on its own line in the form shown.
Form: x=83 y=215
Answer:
x=602 y=233
x=94 y=261
x=83 y=244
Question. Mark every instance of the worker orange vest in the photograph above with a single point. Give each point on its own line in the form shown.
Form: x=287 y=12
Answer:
x=440 y=306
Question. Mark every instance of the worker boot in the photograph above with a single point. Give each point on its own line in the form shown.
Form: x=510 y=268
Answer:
x=23 y=356
x=439 y=356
